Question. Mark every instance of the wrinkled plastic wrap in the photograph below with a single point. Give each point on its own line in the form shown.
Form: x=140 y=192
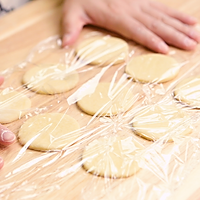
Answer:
x=67 y=173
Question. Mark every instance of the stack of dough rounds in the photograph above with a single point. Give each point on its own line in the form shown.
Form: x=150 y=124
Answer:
x=112 y=157
x=102 y=103
x=50 y=80
x=50 y=131
x=103 y=50
x=158 y=121
x=188 y=91
x=13 y=105
x=152 y=68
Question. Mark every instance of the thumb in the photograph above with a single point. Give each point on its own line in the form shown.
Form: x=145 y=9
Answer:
x=72 y=24
x=1 y=80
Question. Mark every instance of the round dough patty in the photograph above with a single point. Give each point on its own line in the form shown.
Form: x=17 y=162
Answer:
x=152 y=68
x=50 y=80
x=50 y=131
x=188 y=91
x=112 y=157
x=13 y=105
x=102 y=104
x=103 y=50
x=155 y=122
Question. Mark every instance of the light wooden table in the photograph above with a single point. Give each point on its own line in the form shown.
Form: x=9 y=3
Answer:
x=20 y=31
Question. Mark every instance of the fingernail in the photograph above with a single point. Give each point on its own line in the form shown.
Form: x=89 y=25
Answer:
x=163 y=47
x=66 y=39
x=8 y=136
x=194 y=19
x=189 y=43
x=195 y=35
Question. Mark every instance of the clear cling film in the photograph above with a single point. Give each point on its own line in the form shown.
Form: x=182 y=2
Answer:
x=103 y=119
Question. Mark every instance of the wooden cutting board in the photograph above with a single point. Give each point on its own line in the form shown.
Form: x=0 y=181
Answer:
x=41 y=175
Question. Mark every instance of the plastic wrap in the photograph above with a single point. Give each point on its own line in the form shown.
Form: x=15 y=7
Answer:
x=108 y=156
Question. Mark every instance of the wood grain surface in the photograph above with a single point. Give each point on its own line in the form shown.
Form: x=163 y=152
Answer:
x=37 y=175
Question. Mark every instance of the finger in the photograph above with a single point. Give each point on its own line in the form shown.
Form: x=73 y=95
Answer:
x=1 y=162
x=168 y=33
x=174 y=13
x=1 y=80
x=72 y=24
x=6 y=136
x=172 y=22
x=134 y=30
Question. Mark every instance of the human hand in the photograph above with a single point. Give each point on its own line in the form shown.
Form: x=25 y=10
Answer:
x=6 y=136
x=146 y=22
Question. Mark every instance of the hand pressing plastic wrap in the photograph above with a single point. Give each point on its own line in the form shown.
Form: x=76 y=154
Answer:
x=104 y=119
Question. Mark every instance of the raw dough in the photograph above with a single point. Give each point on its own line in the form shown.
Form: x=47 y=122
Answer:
x=112 y=157
x=13 y=105
x=50 y=131
x=155 y=122
x=188 y=91
x=103 y=103
x=50 y=80
x=103 y=50
x=152 y=68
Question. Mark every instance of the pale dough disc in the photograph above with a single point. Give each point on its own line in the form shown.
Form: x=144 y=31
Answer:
x=103 y=103
x=188 y=91
x=103 y=50
x=112 y=157
x=50 y=80
x=13 y=105
x=155 y=122
x=50 y=131
x=152 y=68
